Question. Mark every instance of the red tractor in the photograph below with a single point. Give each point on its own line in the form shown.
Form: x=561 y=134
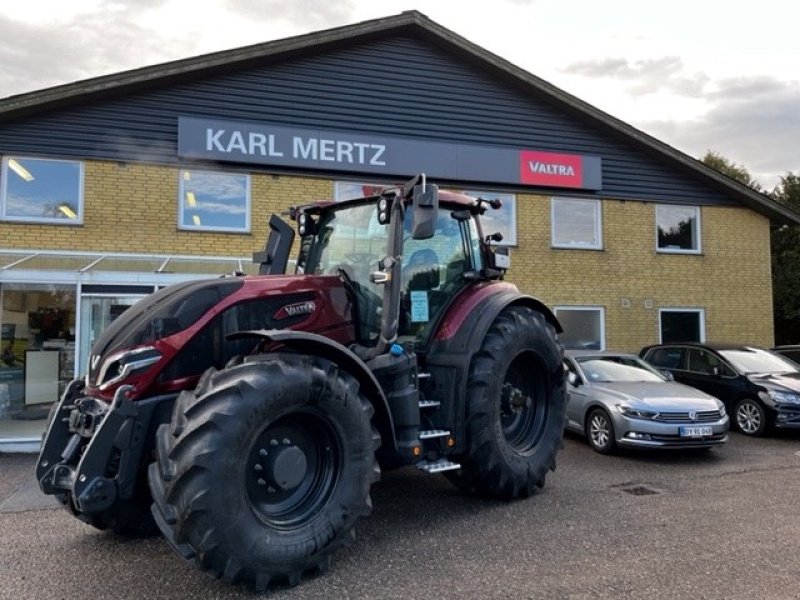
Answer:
x=248 y=417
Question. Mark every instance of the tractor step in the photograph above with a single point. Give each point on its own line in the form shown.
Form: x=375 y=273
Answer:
x=437 y=466
x=429 y=403
x=429 y=434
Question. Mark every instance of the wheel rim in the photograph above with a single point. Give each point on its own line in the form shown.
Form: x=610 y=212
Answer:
x=523 y=411
x=748 y=417
x=599 y=430
x=292 y=469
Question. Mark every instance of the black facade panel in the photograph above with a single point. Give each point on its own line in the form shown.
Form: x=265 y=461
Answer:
x=401 y=86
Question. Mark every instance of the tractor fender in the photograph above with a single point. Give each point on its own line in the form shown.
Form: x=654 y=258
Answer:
x=465 y=324
x=318 y=345
x=460 y=334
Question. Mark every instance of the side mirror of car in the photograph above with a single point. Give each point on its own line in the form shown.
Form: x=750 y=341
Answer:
x=668 y=374
x=573 y=379
x=716 y=371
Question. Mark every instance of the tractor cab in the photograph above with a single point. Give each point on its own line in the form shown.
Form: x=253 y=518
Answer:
x=403 y=255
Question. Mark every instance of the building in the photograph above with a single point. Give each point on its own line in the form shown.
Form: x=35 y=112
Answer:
x=116 y=185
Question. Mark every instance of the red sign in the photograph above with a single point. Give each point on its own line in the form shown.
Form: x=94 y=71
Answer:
x=551 y=169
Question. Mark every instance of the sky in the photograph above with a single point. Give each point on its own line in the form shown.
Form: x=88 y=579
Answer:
x=699 y=75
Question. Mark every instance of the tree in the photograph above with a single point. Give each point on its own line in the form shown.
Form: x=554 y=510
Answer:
x=785 y=244
x=727 y=167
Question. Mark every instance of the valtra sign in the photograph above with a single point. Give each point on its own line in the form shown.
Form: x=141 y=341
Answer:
x=357 y=153
x=550 y=169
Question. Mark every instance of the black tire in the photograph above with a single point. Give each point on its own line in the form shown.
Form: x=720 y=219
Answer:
x=750 y=417
x=515 y=407
x=600 y=432
x=265 y=469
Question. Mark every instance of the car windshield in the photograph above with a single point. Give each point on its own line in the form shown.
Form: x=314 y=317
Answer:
x=609 y=369
x=756 y=360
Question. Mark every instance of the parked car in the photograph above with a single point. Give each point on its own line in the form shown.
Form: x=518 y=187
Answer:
x=792 y=352
x=616 y=399
x=760 y=389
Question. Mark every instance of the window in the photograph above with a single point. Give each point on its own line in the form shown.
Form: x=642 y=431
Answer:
x=502 y=220
x=706 y=363
x=584 y=327
x=212 y=201
x=37 y=333
x=350 y=190
x=681 y=325
x=42 y=190
x=678 y=229
x=665 y=358
x=576 y=223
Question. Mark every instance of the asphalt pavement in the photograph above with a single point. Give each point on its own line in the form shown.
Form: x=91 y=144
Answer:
x=715 y=525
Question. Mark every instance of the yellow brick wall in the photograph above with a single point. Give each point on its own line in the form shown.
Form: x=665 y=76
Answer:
x=134 y=208
x=731 y=278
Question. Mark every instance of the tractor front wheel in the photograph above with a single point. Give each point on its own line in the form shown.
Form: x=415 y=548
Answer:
x=515 y=407
x=265 y=468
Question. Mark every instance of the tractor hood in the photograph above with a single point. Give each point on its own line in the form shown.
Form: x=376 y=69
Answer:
x=180 y=331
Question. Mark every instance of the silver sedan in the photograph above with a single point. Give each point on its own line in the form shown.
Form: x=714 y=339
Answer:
x=617 y=399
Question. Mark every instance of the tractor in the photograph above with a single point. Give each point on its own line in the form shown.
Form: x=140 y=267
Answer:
x=247 y=417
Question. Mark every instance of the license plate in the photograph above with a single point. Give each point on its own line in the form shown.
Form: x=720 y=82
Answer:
x=696 y=431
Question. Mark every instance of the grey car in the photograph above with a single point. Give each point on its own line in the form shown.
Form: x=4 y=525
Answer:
x=616 y=400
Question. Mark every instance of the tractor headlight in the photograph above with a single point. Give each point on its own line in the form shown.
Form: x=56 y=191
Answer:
x=122 y=365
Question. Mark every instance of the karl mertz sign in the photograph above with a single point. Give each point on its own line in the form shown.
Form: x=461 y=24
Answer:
x=265 y=144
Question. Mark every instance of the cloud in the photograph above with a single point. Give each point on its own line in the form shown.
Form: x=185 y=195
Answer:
x=307 y=14
x=753 y=121
x=35 y=56
x=648 y=76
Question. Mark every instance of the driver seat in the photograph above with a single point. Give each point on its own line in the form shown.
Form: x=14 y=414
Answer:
x=422 y=270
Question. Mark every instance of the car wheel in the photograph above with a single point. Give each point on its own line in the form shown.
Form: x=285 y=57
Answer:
x=600 y=431
x=750 y=417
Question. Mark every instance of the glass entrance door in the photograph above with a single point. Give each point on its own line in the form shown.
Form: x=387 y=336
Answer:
x=98 y=312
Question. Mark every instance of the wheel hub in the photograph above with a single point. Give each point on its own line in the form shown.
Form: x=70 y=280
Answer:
x=288 y=467
x=281 y=466
x=292 y=469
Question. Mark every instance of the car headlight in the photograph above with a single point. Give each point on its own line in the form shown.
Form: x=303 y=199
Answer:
x=637 y=413
x=721 y=408
x=784 y=397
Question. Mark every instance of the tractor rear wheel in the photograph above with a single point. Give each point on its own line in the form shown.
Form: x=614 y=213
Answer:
x=515 y=407
x=265 y=468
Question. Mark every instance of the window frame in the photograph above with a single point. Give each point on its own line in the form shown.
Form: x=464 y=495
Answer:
x=206 y=228
x=680 y=309
x=4 y=179
x=601 y=310
x=598 y=223
x=696 y=235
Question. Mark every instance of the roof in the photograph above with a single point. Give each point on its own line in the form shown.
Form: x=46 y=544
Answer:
x=716 y=346
x=596 y=353
x=200 y=66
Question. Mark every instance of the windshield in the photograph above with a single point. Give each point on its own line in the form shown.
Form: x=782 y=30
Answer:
x=607 y=369
x=350 y=239
x=756 y=360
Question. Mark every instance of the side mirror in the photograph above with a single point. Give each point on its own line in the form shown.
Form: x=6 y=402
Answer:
x=426 y=211
x=272 y=260
x=668 y=374
x=572 y=379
